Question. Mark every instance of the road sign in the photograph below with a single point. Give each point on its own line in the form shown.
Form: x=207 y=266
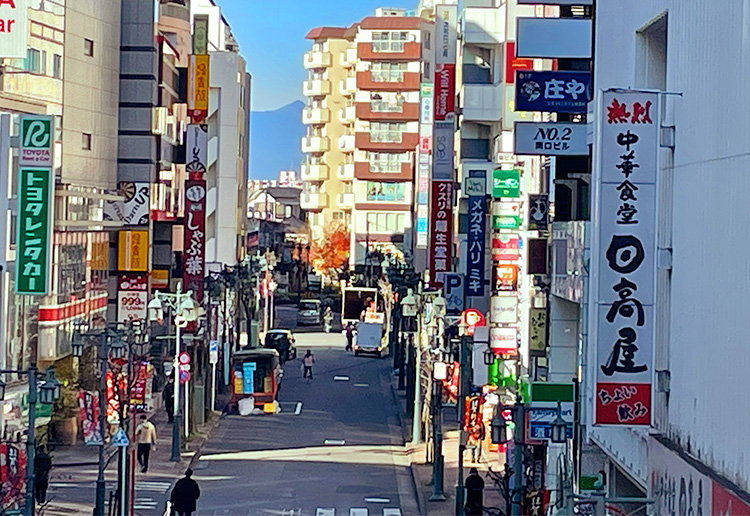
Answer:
x=120 y=439
x=184 y=376
x=184 y=358
x=213 y=352
x=550 y=139
x=184 y=367
x=36 y=141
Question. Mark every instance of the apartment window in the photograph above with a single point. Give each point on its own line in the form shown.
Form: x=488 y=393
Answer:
x=338 y=215
x=387 y=72
x=390 y=41
x=86 y=141
x=386 y=192
x=88 y=47
x=387 y=132
x=33 y=61
x=387 y=102
x=57 y=66
x=387 y=162
x=427 y=40
x=427 y=71
x=386 y=222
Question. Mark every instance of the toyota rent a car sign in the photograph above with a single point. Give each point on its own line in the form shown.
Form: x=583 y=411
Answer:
x=36 y=140
x=13 y=20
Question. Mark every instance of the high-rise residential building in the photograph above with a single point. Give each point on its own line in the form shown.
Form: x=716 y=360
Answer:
x=328 y=169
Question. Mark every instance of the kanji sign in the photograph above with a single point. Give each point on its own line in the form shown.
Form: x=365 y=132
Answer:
x=132 y=251
x=441 y=227
x=36 y=188
x=506 y=183
x=199 y=83
x=626 y=217
x=506 y=215
x=194 y=256
x=37 y=138
x=557 y=92
x=475 y=241
x=550 y=139
x=506 y=277
x=196 y=149
x=132 y=297
x=505 y=247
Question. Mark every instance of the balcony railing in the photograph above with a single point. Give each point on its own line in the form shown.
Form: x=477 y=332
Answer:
x=315 y=144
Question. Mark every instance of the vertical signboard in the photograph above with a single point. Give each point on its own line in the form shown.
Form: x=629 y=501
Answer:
x=35 y=208
x=476 y=187
x=132 y=251
x=194 y=256
x=445 y=92
x=423 y=164
x=196 y=147
x=506 y=183
x=134 y=210
x=441 y=227
x=200 y=34
x=628 y=149
x=13 y=32
x=132 y=297
x=198 y=86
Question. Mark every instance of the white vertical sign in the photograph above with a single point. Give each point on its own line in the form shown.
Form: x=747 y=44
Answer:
x=628 y=146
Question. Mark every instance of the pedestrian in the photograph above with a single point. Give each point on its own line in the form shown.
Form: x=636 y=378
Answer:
x=307 y=362
x=184 y=495
x=167 y=395
x=145 y=434
x=474 y=490
x=349 y=335
x=42 y=467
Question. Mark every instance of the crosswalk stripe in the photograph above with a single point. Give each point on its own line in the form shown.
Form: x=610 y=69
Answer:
x=325 y=512
x=358 y=512
x=391 y=512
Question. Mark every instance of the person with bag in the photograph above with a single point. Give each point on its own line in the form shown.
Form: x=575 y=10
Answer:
x=145 y=435
x=184 y=495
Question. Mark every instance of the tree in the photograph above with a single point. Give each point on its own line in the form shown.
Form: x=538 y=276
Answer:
x=330 y=252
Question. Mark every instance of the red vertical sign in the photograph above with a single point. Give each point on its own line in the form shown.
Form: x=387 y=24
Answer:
x=194 y=254
x=445 y=91
x=513 y=63
x=441 y=226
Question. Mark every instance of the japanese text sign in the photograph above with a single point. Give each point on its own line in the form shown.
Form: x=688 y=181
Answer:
x=132 y=251
x=475 y=242
x=506 y=215
x=506 y=277
x=550 y=139
x=627 y=169
x=557 y=92
x=196 y=149
x=441 y=227
x=506 y=183
x=132 y=297
x=199 y=83
x=505 y=247
x=13 y=28
x=36 y=188
x=37 y=138
x=194 y=255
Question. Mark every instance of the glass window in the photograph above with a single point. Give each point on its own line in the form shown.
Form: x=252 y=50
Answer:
x=86 y=141
x=390 y=132
x=390 y=41
x=57 y=66
x=385 y=192
x=88 y=47
x=33 y=60
x=387 y=72
x=387 y=102
x=387 y=162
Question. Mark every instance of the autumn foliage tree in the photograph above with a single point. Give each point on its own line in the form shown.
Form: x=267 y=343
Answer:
x=331 y=251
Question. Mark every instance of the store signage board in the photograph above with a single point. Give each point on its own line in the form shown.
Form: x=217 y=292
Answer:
x=37 y=139
x=550 y=139
x=552 y=91
x=13 y=28
x=554 y=38
x=35 y=209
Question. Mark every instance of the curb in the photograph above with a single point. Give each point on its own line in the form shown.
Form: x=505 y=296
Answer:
x=397 y=403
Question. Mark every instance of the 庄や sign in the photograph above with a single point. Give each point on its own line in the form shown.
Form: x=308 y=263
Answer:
x=557 y=92
x=628 y=147
x=35 y=208
x=13 y=32
x=550 y=139
x=37 y=136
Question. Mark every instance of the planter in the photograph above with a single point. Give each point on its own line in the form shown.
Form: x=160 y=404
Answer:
x=67 y=430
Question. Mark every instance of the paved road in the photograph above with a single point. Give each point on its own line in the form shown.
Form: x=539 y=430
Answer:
x=335 y=450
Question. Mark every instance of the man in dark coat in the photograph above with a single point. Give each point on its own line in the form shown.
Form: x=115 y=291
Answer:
x=42 y=466
x=184 y=495
x=168 y=398
x=474 y=489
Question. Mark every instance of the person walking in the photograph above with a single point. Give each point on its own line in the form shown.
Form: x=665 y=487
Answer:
x=327 y=319
x=184 y=495
x=145 y=434
x=474 y=491
x=167 y=395
x=307 y=362
x=42 y=467
x=349 y=335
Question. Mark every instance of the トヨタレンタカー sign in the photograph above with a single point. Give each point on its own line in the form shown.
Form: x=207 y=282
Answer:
x=626 y=181
x=35 y=208
x=553 y=91
x=37 y=139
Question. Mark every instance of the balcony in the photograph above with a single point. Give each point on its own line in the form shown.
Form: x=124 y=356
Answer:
x=347 y=142
x=382 y=81
x=311 y=115
x=366 y=171
x=483 y=25
x=346 y=171
x=399 y=50
x=483 y=102
x=313 y=201
x=348 y=85
x=315 y=144
x=314 y=171
x=407 y=142
x=384 y=110
x=316 y=59
x=27 y=84
x=348 y=114
x=316 y=88
x=349 y=57
x=346 y=201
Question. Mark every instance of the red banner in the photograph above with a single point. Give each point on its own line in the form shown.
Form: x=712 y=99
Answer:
x=441 y=226
x=445 y=91
x=622 y=403
x=12 y=476
x=194 y=254
x=88 y=402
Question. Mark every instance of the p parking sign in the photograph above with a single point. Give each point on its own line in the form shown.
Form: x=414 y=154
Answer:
x=36 y=141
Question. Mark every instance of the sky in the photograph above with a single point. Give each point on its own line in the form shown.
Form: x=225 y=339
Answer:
x=271 y=34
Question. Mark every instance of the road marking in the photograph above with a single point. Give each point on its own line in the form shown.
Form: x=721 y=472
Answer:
x=334 y=442
x=361 y=384
x=160 y=487
x=340 y=378
x=298 y=409
x=391 y=512
x=358 y=512
x=377 y=500
x=325 y=512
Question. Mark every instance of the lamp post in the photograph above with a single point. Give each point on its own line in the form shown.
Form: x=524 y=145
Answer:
x=47 y=393
x=439 y=374
x=185 y=310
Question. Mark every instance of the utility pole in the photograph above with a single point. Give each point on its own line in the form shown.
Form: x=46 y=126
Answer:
x=464 y=389
x=103 y=362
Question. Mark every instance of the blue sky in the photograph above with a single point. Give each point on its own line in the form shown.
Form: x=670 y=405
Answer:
x=271 y=34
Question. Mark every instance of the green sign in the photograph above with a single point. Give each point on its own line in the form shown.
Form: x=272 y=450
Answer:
x=506 y=183
x=36 y=141
x=552 y=392
x=34 y=231
x=200 y=34
x=425 y=89
x=506 y=221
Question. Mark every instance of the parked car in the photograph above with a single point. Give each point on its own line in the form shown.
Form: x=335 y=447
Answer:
x=308 y=312
x=282 y=341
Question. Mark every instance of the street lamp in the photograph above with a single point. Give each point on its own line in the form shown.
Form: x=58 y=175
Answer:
x=439 y=375
x=559 y=427
x=499 y=431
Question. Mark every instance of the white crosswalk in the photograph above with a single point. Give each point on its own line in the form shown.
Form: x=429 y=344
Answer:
x=358 y=511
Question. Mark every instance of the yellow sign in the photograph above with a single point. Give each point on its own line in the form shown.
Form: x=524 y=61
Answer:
x=132 y=251
x=198 y=94
x=159 y=278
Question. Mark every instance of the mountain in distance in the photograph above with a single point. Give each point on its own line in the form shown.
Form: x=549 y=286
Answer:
x=275 y=138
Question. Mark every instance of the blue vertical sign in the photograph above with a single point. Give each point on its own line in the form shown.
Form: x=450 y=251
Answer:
x=248 y=377
x=476 y=188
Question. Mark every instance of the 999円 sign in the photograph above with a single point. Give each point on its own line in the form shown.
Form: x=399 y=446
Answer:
x=628 y=149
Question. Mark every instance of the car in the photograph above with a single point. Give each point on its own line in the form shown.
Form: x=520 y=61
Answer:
x=282 y=340
x=308 y=312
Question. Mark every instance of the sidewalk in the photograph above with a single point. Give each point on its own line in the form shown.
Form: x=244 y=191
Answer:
x=422 y=471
